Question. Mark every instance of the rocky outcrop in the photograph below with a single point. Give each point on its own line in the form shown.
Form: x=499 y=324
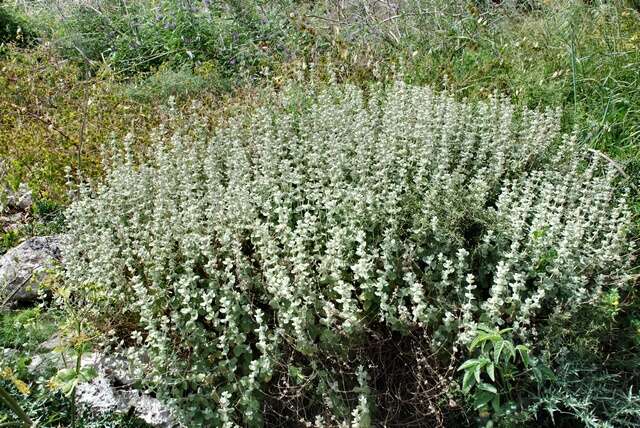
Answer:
x=20 y=200
x=101 y=396
x=23 y=268
x=15 y=208
x=113 y=390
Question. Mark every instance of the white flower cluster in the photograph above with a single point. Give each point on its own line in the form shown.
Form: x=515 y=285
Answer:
x=334 y=210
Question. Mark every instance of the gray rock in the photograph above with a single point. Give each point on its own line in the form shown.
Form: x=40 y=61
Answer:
x=150 y=409
x=13 y=222
x=40 y=363
x=22 y=199
x=112 y=390
x=7 y=354
x=53 y=342
x=23 y=268
x=117 y=369
x=100 y=396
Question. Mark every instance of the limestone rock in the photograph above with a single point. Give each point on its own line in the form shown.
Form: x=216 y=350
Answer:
x=13 y=222
x=22 y=199
x=23 y=268
x=113 y=390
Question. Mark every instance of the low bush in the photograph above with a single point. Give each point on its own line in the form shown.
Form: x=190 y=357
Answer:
x=182 y=84
x=581 y=55
x=332 y=258
x=14 y=28
x=242 y=38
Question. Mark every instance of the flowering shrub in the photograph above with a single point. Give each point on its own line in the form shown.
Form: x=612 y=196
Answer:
x=331 y=217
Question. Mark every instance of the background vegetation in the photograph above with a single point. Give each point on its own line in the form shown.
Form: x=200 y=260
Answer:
x=99 y=63
x=75 y=76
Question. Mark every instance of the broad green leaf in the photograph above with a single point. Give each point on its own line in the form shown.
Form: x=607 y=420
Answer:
x=546 y=372
x=482 y=398
x=87 y=374
x=65 y=375
x=491 y=371
x=69 y=387
x=510 y=349
x=497 y=350
x=524 y=354
x=495 y=403
x=482 y=362
x=483 y=338
x=468 y=381
x=480 y=338
x=487 y=387
x=477 y=372
x=469 y=363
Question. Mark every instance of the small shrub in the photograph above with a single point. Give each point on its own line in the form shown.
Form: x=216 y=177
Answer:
x=242 y=38
x=9 y=240
x=180 y=84
x=14 y=28
x=259 y=260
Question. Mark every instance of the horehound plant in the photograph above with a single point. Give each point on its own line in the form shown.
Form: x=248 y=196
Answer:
x=336 y=214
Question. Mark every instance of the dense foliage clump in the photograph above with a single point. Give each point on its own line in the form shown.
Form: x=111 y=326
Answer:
x=270 y=266
x=233 y=38
x=14 y=28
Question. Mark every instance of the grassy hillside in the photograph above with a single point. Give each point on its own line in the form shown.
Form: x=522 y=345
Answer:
x=81 y=80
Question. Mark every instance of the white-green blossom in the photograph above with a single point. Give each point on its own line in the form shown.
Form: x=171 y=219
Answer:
x=334 y=211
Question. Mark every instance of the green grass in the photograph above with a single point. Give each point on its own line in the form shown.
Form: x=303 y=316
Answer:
x=15 y=28
x=60 y=101
x=584 y=58
x=26 y=329
x=8 y=240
